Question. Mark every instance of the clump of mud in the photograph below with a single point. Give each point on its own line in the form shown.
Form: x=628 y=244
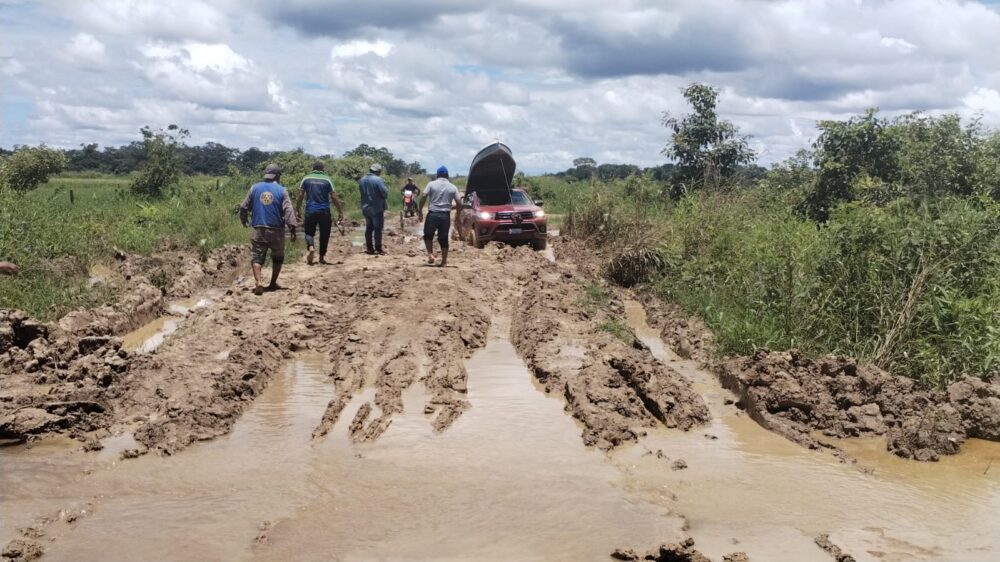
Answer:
x=578 y=349
x=683 y=551
x=824 y=542
x=793 y=395
x=149 y=281
x=22 y=550
x=687 y=335
x=390 y=336
x=75 y=378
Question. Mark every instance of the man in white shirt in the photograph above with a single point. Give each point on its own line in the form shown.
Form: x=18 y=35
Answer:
x=441 y=193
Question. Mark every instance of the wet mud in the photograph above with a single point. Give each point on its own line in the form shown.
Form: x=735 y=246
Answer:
x=490 y=410
x=616 y=388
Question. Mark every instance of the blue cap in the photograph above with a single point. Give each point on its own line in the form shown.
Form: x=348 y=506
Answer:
x=442 y=171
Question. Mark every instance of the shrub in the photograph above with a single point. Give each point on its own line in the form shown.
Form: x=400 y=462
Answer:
x=28 y=167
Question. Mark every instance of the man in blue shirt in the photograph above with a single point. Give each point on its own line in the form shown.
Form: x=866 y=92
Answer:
x=373 y=195
x=270 y=212
x=317 y=190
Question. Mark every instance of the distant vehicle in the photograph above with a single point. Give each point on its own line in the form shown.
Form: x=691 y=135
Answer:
x=409 y=203
x=493 y=209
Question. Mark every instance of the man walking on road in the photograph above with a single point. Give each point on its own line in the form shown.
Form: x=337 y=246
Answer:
x=317 y=190
x=441 y=193
x=270 y=210
x=373 y=195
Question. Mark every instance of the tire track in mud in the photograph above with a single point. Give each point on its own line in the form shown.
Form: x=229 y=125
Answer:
x=401 y=332
x=615 y=388
x=386 y=323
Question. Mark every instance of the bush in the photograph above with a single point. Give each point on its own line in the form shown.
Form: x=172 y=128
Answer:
x=163 y=166
x=28 y=167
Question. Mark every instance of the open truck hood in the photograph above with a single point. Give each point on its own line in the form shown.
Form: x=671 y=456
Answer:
x=491 y=174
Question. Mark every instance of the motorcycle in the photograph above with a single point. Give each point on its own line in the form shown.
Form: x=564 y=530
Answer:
x=409 y=203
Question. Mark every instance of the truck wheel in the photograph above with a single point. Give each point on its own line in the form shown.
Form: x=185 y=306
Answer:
x=475 y=240
x=539 y=245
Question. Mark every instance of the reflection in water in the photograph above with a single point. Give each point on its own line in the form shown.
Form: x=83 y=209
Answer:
x=509 y=480
x=751 y=485
x=150 y=336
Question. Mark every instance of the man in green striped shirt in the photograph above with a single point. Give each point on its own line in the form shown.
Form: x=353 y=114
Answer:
x=317 y=190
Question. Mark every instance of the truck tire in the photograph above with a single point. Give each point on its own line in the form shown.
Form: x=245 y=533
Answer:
x=476 y=242
x=539 y=245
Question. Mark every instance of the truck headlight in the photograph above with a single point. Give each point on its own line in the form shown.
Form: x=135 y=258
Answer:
x=485 y=216
x=539 y=214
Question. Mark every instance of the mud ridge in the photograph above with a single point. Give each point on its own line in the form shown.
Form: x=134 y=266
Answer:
x=73 y=377
x=836 y=396
x=615 y=388
x=683 y=551
x=391 y=335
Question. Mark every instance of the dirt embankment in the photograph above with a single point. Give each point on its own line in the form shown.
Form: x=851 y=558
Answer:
x=74 y=377
x=794 y=396
x=577 y=349
x=683 y=551
x=836 y=396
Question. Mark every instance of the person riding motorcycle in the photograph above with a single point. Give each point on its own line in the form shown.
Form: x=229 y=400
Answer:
x=410 y=191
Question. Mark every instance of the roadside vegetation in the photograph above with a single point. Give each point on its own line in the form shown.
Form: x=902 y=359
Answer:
x=57 y=223
x=882 y=242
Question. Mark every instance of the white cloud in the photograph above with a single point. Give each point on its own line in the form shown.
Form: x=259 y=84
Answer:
x=435 y=80
x=213 y=75
x=357 y=48
x=85 y=50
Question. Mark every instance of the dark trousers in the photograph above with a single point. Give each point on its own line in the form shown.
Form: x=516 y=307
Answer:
x=373 y=230
x=324 y=221
x=440 y=222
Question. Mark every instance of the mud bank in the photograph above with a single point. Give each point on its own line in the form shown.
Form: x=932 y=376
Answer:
x=795 y=396
x=615 y=388
x=835 y=397
x=74 y=376
x=683 y=551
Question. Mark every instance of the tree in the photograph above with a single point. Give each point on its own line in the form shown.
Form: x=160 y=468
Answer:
x=26 y=168
x=253 y=159
x=211 y=158
x=163 y=166
x=707 y=150
x=392 y=165
x=860 y=154
x=584 y=162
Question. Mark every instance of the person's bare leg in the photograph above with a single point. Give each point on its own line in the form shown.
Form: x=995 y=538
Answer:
x=258 y=278
x=429 y=244
x=444 y=256
x=275 y=270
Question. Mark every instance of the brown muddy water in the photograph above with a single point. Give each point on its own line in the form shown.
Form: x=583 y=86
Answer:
x=151 y=335
x=747 y=489
x=509 y=480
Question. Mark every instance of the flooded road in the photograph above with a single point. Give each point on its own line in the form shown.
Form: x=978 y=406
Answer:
x=744 y=483
x=509 y=480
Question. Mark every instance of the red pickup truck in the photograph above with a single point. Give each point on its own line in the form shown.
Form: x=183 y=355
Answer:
x=494 y=210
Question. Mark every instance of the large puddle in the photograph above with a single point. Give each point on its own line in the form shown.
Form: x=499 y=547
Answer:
x=747 y=489
x=510 y=480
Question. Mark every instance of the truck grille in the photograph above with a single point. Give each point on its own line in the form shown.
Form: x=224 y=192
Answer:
x=510 y=216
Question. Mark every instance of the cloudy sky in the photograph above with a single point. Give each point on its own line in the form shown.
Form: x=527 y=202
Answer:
x=436 y=79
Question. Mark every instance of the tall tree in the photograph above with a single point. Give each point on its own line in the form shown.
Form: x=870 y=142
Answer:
x=707 y=150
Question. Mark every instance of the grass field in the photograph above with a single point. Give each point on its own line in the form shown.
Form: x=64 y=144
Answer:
x=55 y=240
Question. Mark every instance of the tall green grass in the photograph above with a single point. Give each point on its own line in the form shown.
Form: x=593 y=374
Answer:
x=912 y=286
x=55 y=240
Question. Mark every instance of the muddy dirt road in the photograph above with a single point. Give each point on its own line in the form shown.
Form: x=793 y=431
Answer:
x=502 y=408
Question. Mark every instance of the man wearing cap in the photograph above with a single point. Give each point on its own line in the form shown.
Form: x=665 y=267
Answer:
x=317 y=190
x=373 y=195
x=441 y=193
x=270 y=212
